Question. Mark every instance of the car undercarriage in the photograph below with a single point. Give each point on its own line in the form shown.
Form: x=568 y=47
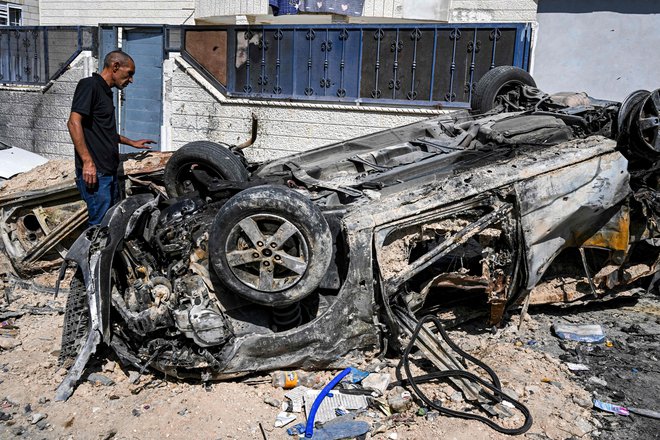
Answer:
x=326 y=257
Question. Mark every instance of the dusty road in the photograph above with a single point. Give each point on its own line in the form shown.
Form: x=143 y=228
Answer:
x=530 y=363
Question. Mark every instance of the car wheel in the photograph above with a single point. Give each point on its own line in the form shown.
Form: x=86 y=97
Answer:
x=621 y=131
x=647 y=122
x=496 y=84
x=271 y=245
x=194 y=165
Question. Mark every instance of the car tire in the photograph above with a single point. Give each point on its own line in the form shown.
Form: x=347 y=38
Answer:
x=211 y=159
x=497 y=82
x=647 y=123
x=250 y=259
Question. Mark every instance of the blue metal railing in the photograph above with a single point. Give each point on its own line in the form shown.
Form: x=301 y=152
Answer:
x=37 y=54
x=398 y=64
x=402 y=64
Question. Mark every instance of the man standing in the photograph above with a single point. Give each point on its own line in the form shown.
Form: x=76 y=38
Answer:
x=93 y=129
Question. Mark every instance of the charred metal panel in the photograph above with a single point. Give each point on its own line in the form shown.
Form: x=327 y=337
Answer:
x=565 y=207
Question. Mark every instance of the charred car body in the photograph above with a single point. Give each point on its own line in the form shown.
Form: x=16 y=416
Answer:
x=308 y=260
x=39 y=225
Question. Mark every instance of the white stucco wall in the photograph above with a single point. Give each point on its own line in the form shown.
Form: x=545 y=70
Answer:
x=598 y=47
x=36 y=120
x=214 y=8
x=193 y=113
x=492 y=10
x=91 y=12
x=438 y=10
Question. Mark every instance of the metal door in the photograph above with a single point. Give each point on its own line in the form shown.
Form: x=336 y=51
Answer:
x=141 y=102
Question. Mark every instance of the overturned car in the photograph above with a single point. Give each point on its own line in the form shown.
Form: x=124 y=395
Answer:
x=316 y=258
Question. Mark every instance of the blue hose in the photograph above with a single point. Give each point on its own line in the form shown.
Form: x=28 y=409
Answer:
x=309 y=429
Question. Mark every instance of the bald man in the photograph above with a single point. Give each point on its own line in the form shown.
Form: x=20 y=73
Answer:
x=93 y=129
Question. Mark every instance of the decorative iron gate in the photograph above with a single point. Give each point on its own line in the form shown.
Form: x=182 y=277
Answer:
x=422 y=64
x=37 y=54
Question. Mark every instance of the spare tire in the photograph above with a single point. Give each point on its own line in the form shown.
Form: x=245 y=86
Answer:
x=271 y=245
x=192 y=166
x=496 y=83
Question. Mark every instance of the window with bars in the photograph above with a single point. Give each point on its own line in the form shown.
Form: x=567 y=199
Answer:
x=10 y=14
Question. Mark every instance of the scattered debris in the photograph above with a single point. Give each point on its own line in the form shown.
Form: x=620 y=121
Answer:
x=296 y=429
x=614 y=409
x=581 y=333
x=645 y=412
x=273 y=402
x=577 y=367
x=100 y=379
x=341 y=428
x=37 y=417
x=283 y=419
x=377 y=382
x=335 y=399
x=399 y=399
x=292 y=379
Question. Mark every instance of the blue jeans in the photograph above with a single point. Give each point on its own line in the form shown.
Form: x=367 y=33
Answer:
x=100 y=197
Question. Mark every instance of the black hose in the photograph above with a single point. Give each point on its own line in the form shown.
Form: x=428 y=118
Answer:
x=498 y=395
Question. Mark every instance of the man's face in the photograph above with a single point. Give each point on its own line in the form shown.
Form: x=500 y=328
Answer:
x=123 y=74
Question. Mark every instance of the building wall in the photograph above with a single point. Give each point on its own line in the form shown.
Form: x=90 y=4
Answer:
x=214 y=8
x=91 y=12
x=193 y=113
x=492 y=10
x=36 y=120
x=606 y=48
x=438 y=10
x=30 y=11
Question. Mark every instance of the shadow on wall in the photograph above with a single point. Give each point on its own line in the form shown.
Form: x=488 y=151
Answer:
x=588 y=6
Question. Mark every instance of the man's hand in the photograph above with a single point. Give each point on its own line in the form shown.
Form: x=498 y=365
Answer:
x=142 y=144
x=89 y=174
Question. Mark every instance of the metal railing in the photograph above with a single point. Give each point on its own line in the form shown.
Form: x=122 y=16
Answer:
x=35 y=55
x=420 y=64
x=398 y=64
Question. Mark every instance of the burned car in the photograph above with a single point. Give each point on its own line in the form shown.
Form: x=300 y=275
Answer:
x=42 y=214
x=328 y=255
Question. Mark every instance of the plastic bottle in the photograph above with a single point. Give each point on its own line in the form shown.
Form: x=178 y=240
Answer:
x=292 y=379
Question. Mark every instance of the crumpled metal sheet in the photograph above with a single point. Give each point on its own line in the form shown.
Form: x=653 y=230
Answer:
x=565 y=207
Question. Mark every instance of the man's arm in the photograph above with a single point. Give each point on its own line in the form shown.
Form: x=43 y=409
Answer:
x=141 y=144
x=74 y=124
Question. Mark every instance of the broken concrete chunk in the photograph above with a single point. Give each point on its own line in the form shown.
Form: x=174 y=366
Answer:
x=7 y=343
x=597 y=381
x=110 y=366
x=36 y=417
x=133 y=377
x=100 y=379
x=273 y=402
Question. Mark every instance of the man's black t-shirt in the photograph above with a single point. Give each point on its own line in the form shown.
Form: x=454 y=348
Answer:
x=93 y=99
